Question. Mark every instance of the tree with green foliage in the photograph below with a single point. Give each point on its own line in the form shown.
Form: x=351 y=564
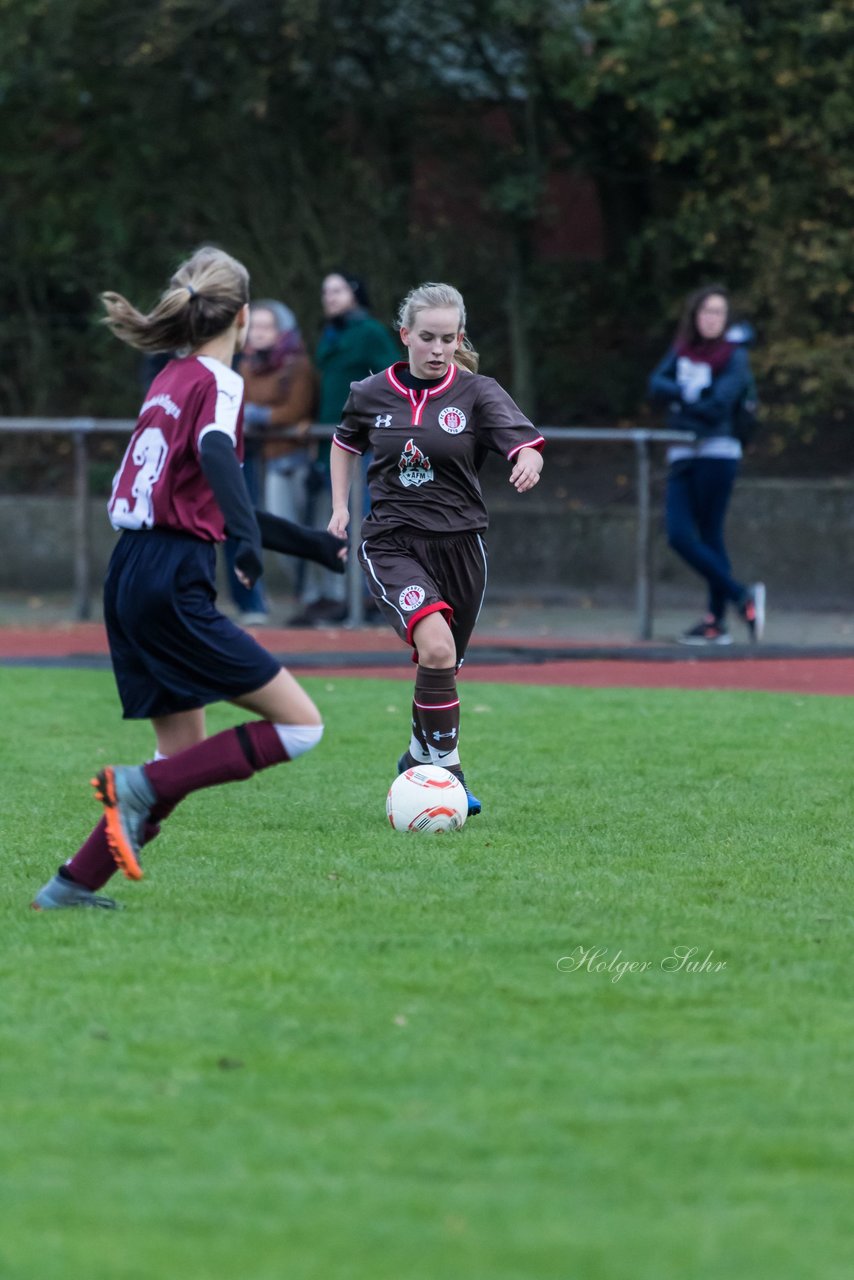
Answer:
x=301 y=135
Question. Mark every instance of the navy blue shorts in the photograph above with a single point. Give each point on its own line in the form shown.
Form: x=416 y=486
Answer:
x=172 y=649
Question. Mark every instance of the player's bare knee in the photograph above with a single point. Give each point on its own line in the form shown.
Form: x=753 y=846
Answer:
x=297 y=739
x=440 y=654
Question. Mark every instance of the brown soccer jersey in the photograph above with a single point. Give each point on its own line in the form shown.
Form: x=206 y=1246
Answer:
x=423 y=474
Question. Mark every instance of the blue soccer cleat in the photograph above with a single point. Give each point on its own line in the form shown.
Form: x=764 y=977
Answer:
x=474 y=804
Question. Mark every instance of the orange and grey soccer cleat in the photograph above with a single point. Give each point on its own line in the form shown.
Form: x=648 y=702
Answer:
x=127 y=797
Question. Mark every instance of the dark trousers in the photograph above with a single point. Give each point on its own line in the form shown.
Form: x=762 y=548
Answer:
x=696 y=504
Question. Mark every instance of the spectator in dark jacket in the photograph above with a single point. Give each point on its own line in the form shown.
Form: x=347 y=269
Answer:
x=703 y=378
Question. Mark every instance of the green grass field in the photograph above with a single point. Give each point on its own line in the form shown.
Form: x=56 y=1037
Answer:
x=315 y=1048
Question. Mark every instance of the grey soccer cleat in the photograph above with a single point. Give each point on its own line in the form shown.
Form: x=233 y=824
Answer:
x=60 y=892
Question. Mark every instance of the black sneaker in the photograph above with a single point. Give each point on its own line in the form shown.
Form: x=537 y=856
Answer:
x=709 y=630
x=406 y=762
x=752 y=610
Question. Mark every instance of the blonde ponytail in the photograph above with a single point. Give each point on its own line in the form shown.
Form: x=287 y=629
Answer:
x=465 y=357
x=201 y=301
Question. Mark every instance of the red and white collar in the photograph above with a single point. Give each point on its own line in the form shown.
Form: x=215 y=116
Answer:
x=418 y=399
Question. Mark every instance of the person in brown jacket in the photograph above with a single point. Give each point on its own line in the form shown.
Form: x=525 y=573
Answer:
x=280 y=391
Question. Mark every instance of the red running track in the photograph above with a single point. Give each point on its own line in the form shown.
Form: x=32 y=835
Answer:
x=833 y=676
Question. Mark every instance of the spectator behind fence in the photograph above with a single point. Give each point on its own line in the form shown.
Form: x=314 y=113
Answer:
x=352 y=346
x=281 y=391
x=704 y=378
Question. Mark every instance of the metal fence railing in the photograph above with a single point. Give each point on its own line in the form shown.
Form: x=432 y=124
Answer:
x=81 y=430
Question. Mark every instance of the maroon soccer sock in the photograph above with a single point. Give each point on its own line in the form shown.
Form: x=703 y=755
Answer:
x=230 y=756
x=93 y=864
x=226 y=757
x=438 y=709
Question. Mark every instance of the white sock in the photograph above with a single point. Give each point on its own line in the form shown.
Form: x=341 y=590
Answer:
x=298 y=738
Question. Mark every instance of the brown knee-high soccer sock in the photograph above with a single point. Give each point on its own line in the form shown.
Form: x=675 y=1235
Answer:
x=437 y=708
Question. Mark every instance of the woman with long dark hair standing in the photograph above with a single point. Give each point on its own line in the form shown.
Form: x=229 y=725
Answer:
x=703 y=378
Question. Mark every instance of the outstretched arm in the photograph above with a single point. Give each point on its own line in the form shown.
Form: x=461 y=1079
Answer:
x=278 y=534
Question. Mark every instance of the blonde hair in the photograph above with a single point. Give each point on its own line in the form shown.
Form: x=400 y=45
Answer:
x=201 y=301
x=432 y=294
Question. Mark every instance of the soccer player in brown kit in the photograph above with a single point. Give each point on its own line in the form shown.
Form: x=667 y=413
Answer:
x=428 y=422
x=178 y=488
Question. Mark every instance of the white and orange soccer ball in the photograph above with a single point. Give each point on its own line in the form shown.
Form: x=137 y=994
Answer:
x=427 y=798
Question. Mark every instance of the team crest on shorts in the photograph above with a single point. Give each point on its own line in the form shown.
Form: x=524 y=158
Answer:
x=414 y=466
x=411 y=598
x=452 y=420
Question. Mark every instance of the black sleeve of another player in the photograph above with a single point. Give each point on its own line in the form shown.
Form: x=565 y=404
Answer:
x=278 y=534
x=225 y=477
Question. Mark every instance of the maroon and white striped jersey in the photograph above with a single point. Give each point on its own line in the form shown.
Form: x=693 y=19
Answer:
x=426 y=446
x=160 y=483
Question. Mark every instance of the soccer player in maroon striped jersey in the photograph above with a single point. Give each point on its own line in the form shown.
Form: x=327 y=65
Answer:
x=428 y=421
x=178 y=489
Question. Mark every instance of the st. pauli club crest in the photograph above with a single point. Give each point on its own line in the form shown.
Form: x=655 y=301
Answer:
x=452 y=420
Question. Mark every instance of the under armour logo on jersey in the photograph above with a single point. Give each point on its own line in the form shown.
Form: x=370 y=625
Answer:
x=382 y=420
x=437 y=736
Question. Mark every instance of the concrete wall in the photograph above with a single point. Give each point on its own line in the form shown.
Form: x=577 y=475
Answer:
x=797 y=535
